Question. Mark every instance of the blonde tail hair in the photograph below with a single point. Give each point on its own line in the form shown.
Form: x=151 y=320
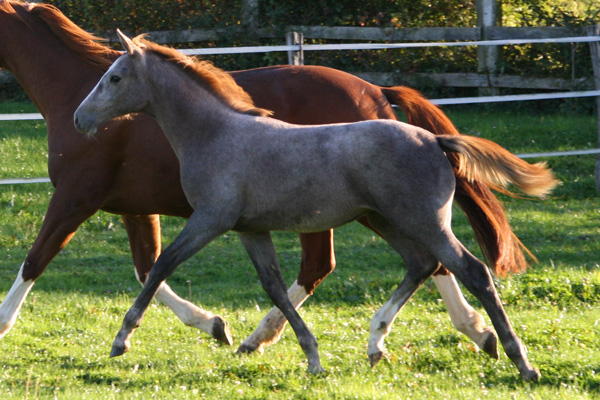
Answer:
x=484 y=160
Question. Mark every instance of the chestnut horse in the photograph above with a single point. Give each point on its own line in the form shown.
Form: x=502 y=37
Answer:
x=125 y=171
x=247 y=173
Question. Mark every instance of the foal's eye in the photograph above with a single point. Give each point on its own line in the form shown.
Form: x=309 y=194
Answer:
x=115 y=79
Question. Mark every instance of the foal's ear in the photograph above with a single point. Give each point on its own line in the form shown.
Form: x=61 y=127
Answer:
x=131 y=48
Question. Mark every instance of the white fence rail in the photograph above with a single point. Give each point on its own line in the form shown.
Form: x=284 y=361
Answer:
x=380 y=46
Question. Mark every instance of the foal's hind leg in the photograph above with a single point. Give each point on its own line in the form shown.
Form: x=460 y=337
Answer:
x=260 y=248
x=464 y=318
x=419 y=266
x=476 y=278
x=145 y=241
x=317 y=262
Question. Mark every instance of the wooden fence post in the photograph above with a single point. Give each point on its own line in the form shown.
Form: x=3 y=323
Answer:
x=295 y=57
x=489 y=14
x=595 y=52
x=249 y=15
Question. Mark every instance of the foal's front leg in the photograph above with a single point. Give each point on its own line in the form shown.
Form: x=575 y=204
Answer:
x=200 y=230
x=262 y=252
x=144 y=236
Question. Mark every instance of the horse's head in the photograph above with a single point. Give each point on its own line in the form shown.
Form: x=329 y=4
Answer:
x=120 y=91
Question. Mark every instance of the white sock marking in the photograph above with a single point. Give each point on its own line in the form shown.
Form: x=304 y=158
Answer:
x=10 y=307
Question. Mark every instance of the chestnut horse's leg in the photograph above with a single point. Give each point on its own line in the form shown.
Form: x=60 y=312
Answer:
x=62 y=219
x=318 y=261
x=145 y=241
x=464 y=317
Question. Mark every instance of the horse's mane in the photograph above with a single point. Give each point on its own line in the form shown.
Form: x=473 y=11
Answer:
x=83 y=43
x=219 y=82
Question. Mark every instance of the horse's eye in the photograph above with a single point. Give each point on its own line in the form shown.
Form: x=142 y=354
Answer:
x=115 y=79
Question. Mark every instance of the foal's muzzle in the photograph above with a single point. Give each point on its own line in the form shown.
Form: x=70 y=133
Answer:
x=83 y=124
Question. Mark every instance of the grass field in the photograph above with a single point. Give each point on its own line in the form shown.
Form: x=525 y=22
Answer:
x=59 y=346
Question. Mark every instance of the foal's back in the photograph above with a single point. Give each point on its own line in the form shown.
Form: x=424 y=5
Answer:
x=313 y=178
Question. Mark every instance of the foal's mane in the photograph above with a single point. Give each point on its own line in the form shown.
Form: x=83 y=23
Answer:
x=217 y=81
x=83 y=43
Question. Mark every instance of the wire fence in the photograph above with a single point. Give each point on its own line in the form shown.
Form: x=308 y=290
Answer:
x=380 y=46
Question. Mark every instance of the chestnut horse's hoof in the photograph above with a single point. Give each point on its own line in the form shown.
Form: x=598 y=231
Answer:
x=375 y=358
x=221 y=331
x=490 y=346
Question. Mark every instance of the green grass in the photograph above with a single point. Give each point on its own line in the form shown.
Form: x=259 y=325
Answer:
x=59 y=346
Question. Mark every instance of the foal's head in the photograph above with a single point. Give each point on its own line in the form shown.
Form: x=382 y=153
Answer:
x=124 y=89
x=120 y=91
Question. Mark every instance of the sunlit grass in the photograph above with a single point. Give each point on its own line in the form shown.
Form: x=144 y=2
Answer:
x=60 y=344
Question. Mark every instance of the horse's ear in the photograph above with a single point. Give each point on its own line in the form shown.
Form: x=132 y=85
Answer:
x=131 y=48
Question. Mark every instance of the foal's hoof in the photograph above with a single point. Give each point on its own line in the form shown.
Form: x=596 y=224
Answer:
x=119 y=350
x=245 y=349
x=532 y=375
x=490 y=346
x=316 y=369
x=221 y=331
x=375 y=358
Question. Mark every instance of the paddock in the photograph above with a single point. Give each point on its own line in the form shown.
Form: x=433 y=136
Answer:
x=65 y=328
x=64 y=333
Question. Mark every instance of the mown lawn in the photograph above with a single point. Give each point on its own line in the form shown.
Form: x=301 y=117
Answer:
x=59 y=347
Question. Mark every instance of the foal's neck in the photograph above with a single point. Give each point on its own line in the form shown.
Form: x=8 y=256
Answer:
x=186 y=110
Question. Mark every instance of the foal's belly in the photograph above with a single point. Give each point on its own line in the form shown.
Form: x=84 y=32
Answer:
x=287 y=220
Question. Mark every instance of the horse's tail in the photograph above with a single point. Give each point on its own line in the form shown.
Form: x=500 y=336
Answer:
x=420 y=111
x=486 y=161
x=501 y=248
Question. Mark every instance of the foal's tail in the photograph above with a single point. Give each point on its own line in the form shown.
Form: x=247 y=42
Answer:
x=500 y=246
x=483 y=160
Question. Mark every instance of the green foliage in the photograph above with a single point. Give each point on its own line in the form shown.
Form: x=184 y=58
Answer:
x=373 y=13
x=10 y=90
x=565 y=61
x=139 y=16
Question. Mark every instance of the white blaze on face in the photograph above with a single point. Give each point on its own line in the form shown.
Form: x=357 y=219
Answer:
x=9 y=309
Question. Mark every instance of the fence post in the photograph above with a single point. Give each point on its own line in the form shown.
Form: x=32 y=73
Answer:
x=249 y=15
x=489 y=14
x=595 y=52
x=295 y=38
